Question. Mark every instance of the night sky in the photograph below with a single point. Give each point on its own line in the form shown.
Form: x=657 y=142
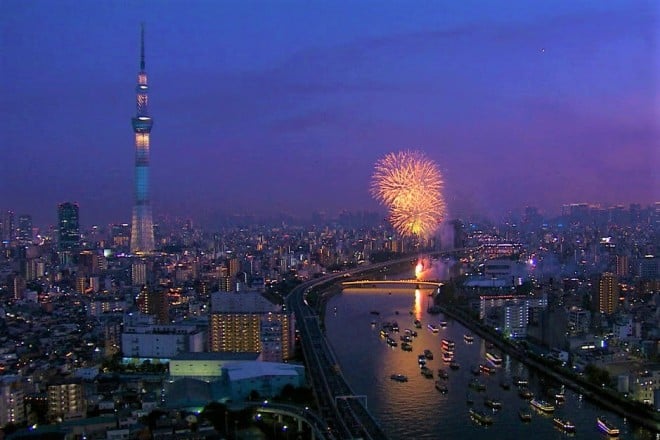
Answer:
x=269 y=107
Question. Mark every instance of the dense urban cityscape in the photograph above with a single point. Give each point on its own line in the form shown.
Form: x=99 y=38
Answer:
x=93 y=333
x=327 y=324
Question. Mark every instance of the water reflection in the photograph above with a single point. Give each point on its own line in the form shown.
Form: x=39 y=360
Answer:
x=416 y=409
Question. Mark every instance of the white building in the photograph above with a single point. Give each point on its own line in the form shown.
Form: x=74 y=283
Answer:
x=161 y=341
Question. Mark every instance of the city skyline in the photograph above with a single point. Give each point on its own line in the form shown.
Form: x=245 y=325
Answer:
x=261 y=107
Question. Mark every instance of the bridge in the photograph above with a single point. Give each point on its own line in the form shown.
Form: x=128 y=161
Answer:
x=374 y=283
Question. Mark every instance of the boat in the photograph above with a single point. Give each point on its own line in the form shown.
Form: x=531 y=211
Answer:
x=391 y=342
x=542 y=405
x=454 y=365
x=475 y=370
x=525 y=415
x=406 y=346
x=564 y=425
x=480 y=416
x=395 y=326
x=525 y=393
x=442 y=374
x=448 y=344
x=605 y=426
x=373 y=323
x=468 y=338
x=494 y=359
x=375 y=312
x=421 y=359
x=434 y=328
x=493 y=403
x=443 y=324
x=399 y=378
x=441 y=387
x=383 y=333
x=476 y=384
x=428 y=354
x=519 y=381
x=426 y=372
x=447 y=357
x=417 y=323
x=486 y=369
x=505 y=384
x=410 y=332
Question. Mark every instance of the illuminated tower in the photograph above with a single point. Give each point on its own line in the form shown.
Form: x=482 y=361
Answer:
x=142 y=230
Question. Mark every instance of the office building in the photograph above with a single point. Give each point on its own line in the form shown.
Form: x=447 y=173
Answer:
x=69 y=226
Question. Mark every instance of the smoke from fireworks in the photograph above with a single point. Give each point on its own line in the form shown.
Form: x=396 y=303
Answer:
x=410 y=185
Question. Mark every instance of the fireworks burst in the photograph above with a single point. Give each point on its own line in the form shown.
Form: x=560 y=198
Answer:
x=410 y=185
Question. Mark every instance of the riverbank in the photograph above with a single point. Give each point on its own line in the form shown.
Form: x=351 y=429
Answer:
x=603 y=396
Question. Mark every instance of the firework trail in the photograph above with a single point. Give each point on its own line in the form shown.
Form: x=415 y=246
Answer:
x=410 y=186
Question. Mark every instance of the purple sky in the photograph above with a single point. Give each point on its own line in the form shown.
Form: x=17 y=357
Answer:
x=267 y=107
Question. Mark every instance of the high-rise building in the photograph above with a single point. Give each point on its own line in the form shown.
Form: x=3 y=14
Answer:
x=69 y=226
x=608 y=293
x=7 y=229
x=24 y=229
x=142 y=228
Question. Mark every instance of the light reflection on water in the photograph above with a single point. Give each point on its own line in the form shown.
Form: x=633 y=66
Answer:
x=415 y=409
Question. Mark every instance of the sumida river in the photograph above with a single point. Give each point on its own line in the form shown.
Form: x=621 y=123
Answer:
x=415 y=409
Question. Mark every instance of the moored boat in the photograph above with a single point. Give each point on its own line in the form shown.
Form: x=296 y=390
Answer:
x=493 y=403
x=448 y=344
x=480 y=416
x=486 y=369
x=468 y=338
x=428 y=354
x=542 y=405
x=441 y=387
x=525 y=415
x=399 y=377
x=426 y=372
x=564 y=425
x=476 y=384
x=525 y=393
x=605 y=426
x=442 y=374
x=406 y=346
x=454 y=365
x=494 y=359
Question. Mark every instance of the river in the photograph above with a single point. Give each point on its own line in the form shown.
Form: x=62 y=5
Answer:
x=415 y=409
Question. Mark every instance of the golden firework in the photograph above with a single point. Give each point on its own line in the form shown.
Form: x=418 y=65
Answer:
x=410 y=185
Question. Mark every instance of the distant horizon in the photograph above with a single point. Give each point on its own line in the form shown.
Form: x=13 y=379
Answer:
x=222 y=219
x=260 y=108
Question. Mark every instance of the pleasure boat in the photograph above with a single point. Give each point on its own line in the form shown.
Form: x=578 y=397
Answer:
x=605 y=426
x=564 y=425
x=542 y=405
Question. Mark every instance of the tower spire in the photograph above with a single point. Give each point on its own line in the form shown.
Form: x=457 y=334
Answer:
x=142 y=46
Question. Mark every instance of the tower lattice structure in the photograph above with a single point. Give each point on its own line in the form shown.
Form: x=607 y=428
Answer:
x=142 y=228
